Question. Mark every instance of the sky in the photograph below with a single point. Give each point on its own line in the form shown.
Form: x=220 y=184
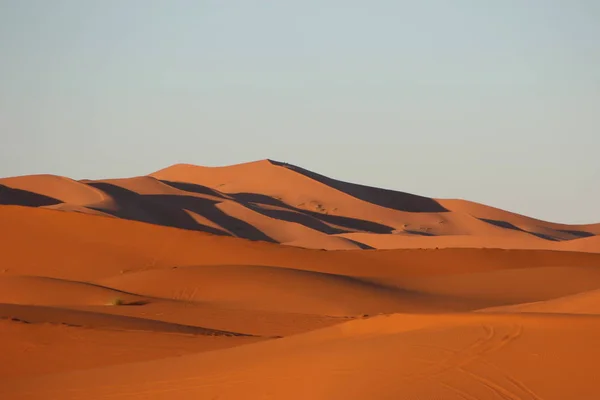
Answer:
x=492 y=101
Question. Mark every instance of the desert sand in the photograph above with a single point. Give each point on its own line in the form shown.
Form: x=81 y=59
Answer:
x=264 y=280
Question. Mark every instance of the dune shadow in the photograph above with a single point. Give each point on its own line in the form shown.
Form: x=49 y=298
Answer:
x=543 y=236
x=508 y=225
x=310 y=219
x=257 y=198
x=420 y=233
x=136 y=303
x=287 y=213
x=360 y=245
x=20 y=197
x=298 y=218
x=137 y=207
x=207 y=208
x=314 y=220
x=578 y=234
x=392 y=199
x=169 y=210
x=353 y=223
x=193 y=188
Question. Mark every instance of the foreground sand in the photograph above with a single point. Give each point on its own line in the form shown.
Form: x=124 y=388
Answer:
x=400 y=356
x=144 y=293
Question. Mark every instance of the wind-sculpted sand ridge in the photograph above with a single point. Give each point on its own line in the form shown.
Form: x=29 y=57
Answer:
x=277 y=202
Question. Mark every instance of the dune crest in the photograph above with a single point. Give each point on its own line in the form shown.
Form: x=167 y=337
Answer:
x=277 y=202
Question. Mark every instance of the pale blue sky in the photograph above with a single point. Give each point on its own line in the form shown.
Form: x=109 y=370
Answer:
x=492 y=101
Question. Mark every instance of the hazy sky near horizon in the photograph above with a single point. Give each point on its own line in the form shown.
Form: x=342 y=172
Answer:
x=493 y=101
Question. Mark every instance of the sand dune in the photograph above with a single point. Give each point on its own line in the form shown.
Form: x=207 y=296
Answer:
x=296 y=291
x=511 y=285
x=259 y=323
x=35 y=290
x=501 y=217
x=277 y=202
x=328 y=242
x=589 y=244
x=62 y=189
x=458 y=241
x=579 y=303
x=266 y=280
x=450 y=357
x=53 y=315
x=30 y=349
x=86 y=248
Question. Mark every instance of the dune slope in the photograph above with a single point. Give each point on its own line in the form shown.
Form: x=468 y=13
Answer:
x=281 y=203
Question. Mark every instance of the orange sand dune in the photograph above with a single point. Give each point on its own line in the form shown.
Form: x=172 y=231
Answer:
x=276 y=202
x=259 y=323
x=30 y=349
x=35 y=290
x=590 y=244
x=87 y=319
x=517 y=241
x=526 y=223
x=475 y=356
x=296 y=291
x=75 y=208
x=270 y=182
x=579 y=303
x=265 y=280
x=62 y=189
x=86 y=247
x=328 y=242
x=510 y=286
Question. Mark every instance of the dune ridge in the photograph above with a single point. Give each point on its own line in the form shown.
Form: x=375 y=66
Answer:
x=281 y=203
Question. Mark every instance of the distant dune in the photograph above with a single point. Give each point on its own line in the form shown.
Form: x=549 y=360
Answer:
x=280 y=203
x=265 y=280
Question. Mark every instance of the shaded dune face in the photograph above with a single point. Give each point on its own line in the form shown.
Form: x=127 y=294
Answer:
x=385 y=198
x=16 y=196
x=267 y=281
x=281 y=203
